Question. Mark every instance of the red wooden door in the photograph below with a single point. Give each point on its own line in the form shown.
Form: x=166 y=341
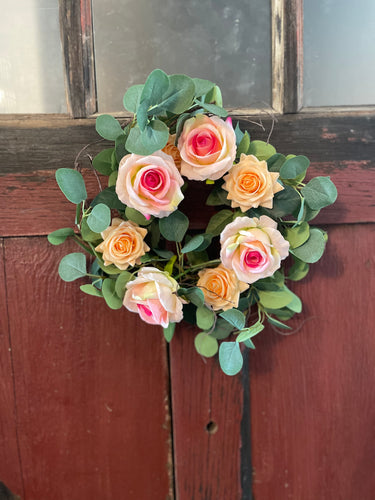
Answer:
x=95 y=405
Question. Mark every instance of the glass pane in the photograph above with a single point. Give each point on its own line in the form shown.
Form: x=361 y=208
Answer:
x=226 y=42
x=31 y=71
x=339 y=52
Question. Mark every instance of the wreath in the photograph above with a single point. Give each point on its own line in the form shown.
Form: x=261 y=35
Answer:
x=143 y=255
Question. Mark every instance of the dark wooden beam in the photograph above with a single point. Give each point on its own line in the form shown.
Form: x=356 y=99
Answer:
x=287 y=55
x=78 y=51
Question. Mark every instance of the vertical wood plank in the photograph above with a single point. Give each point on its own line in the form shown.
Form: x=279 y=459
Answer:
x=79 y=62
x=287 y=55
x=211 y=462
x=92 y=387
x=313 y=393
x=10 y=467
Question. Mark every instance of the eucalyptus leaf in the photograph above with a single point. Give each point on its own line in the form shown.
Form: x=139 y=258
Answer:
x=230 y=358
x=319 y=192
x=109 y=294
x=91 y=290
x=164 y=254
x=219 y=221
x=217 y=197
x=275 y=299
x=250 y=332
x=103 y=161
x=202 y=87
x=135 y=216
x=121 y=282
x=244 y=145
x=205 y=317
x=222 y=329
x=214 y=96
x=193 y=295
x=154 y=89
x=179 y=96
x=277 y=323
x=174 y=227
x=120 y=148
x=238 y=133
x=87 y=234
x=109 y=197
x=261 y=150
x=112 y=179
x=72 y=266
x=198 y=243
x=108 y=127
x=298 y=270
x=234 y=317
x=132 y=98
x=169 y=331
x=295 y=168
x=206 y=345
x=71 y=183
x=275 y=162
x=298 y=235
x=60 y=235
x=100 y=218
x=311 y=251
x=213 y=108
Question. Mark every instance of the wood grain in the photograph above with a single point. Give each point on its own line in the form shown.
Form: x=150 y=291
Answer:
x=77 y=41
x=312 y=393
x=208 y=461
x=92 y=387
x=10 y=466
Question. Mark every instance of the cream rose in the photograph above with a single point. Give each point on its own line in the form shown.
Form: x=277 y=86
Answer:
x=150 y=184
x=253 y=248
x=221 y=287
x=207 y=147
x=172 y=150
x=250 y=184
x=123 y=244
x=153 y=295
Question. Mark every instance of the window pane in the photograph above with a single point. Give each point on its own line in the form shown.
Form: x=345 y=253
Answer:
x=31 y=71
x=227 y=42
x=339 y=52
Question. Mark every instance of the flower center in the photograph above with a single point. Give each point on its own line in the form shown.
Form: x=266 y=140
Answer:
x=249 y=183
x=205 y=143
x=152 y=180
x=253 y=258
x=146 y=310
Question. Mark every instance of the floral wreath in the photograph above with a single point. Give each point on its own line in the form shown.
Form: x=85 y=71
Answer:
x=142 y=255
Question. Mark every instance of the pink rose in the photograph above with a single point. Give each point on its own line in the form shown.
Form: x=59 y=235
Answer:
x=150 y=184
x=207 y=147
x=153 y=295
x=253 y=248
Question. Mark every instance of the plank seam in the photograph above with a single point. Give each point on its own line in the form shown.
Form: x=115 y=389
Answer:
x=15 y=409
x=170 y=408
x=245 y=452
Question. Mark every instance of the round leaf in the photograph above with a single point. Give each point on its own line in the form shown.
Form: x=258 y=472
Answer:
x=313 y=249
x=108 y=127
x=298 y=270
x=71 y=184
x=230 y=358
x=103 y=161
x=179 y=96
x=132 y=98
x=205 y=317
x=91 y=290
x=121 y=282
x=169 y=331
x=60 y=235
x=206 y=345
x=294 y=167
x=109 y=197
x=297 y=235
x=218 y=222
x=72 y=266
x=234 y=317
x=135 y=216
x=100 y=218
x=319 y=193
x=109 y=294
x=275 y=299
x=202 y=87
x=261 y=150
x=174 y=227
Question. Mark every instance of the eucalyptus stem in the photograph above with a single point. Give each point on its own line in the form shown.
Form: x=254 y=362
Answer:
x=197 y=266
x=80 y=242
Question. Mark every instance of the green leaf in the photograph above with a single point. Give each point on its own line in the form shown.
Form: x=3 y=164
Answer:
x=217 y=197
x=297 y=235
x=230 y=358
x=244 y=145
x=202 y=87
x=135 y=216
x=164 y=254
x=249 y=343
x=295 y=305
x=214 y=96
x=132 y=98
x=277 y=323
x=71 y=184
x=285 y=202
x=109 y=197
x=275 y=162
x=309 y=214
x=313 y=249
x=319 y=192
x=142 y=118
x=109 y=294
x=206 y=345
x=219 y=221
x=199 y=242
x=205 y=317
x=112 y=179
x=284 y=313
x=72 y=266
x=108 y=127
x=168 y=268
x=193 y=295
x=179 y=96
x=169 y=331
x=174 y=227
x=154 y=137
x=234 y=317
x=100 y=218
x=156 y=86
x=295 y=168
x=121 y=282
x=103 y=161
x=60 y=235
x=120 y=148
x=87 y=234
x=222 y=329
x=261 y=150
x=298 y=270
x=91 y=290
x=250 y=332
x=238 y=133
x=213 y=108
x=275 y=299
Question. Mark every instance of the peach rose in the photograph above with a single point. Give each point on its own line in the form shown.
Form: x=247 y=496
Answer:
x=123 y=244
x=172 y=150
x=253 y=248
x=150 y=184
x=207 y=147
x=220 y=287
x=153 y=295
x=250 y=184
